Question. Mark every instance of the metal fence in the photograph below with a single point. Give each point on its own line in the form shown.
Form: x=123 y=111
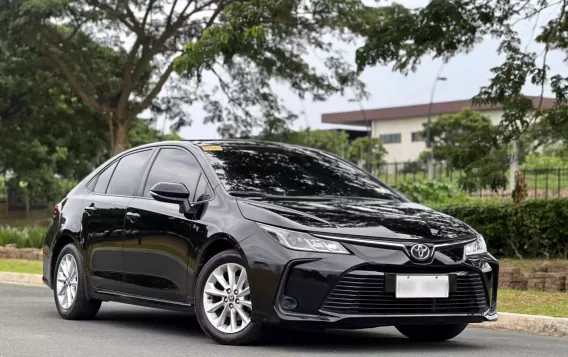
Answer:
x=542 y=183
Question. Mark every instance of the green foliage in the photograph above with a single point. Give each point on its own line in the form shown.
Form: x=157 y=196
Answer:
x=359 y=150
x=535 y=229
x=2 y=186
x=243 y=45
x=400 y=36
x=142 y=133
x=538 y=161
x=22 y=237
x=468 y=142
x=430 y=191
x=336 y=142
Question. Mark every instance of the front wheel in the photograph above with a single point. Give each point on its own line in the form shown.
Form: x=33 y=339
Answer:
x=222 y=301
x=432 y=333
x=69 y=289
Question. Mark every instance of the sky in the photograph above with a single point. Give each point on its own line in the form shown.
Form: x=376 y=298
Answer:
x=465 y=73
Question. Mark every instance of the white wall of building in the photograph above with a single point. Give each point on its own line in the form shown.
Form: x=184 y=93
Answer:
x=407 y=150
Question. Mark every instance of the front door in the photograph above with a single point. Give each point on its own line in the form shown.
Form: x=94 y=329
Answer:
x=158 y=239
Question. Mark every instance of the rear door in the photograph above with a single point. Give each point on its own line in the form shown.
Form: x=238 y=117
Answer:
x=158 y=238
x=103 y=219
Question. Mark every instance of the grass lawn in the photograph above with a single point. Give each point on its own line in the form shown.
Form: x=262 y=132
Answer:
x=533 y=302
x=21 y=266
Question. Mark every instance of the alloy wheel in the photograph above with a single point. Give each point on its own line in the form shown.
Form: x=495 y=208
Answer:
x=226 y=298
x=67 y=281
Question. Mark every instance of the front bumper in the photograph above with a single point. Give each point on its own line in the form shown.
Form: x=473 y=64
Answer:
x=355 y=291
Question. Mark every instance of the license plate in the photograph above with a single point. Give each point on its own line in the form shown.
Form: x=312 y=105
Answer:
x=422 y=286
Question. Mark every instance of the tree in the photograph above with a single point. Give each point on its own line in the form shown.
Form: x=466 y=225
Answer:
x=444 y=28
x=336 y=142
x=359 y=151
x=468 y=141
x=40 y=117
x=39 y=120
x=243 y=44
x=143 y=133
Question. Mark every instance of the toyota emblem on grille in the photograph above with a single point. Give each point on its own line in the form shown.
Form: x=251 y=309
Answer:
x=420 y=252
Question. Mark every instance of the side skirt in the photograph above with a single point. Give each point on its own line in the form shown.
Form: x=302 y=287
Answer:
x=108 y=295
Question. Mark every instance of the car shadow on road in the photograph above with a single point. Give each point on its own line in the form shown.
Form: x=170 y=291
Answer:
x=179 y=325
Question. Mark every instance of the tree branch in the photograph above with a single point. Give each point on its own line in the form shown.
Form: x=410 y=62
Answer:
x=88 y=100
x=128 y=82
x=134 y=27
x=215 y=14
x=148 y=10
x=551 y=34
x=157 y=89
x=169 y=20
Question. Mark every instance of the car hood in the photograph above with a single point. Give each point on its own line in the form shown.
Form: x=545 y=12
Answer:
x=372 y=218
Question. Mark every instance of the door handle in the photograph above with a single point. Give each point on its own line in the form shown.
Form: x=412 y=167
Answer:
x=132 y=216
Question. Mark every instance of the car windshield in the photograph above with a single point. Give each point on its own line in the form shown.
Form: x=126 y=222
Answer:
x=269 y=169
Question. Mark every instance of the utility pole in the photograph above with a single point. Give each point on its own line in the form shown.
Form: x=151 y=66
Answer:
x=513 y=165
x=428 y=134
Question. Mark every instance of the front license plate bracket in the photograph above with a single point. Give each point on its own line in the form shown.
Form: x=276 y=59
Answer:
x=390 y=282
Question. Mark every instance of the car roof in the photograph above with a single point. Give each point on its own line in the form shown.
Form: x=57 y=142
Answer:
x=236 y=142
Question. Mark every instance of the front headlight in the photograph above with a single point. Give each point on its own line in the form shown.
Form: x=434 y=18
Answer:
x=477 y=247
x=303 y=241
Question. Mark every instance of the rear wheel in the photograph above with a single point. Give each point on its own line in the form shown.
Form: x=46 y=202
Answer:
x=69 y=289
x=434 y=333
x=222 y=301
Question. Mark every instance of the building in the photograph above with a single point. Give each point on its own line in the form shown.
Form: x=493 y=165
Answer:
x=352 y=133
x=399 y=128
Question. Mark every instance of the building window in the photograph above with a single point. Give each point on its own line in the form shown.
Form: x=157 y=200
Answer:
x=417 y=136
x=390 y=138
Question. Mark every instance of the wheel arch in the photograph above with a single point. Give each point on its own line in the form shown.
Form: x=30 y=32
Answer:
x=215 y=245
x=64 y=237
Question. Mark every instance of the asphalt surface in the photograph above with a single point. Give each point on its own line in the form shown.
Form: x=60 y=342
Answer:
x=31 y=326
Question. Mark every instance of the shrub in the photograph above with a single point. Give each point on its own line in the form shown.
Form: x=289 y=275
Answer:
x=433 y=191
x=24 y=237
x=539 y=161
x=537 y=228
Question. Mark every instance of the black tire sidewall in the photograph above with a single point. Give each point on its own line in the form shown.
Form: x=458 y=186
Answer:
x=81 y=304
x=251 y=333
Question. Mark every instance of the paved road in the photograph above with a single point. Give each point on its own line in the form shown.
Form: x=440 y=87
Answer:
x=30 y=326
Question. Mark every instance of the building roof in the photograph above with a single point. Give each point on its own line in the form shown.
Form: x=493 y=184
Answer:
x=413 y=111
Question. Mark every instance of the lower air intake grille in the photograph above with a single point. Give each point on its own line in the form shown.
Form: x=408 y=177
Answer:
x=363 y=293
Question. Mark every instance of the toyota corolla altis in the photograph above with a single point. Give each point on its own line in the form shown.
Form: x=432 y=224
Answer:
x=247 y=234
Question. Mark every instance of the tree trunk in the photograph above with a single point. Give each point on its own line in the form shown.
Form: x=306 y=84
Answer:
x=120 y=139
x=118 y=130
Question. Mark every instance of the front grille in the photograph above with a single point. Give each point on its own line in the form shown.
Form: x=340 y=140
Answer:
x=363 y=293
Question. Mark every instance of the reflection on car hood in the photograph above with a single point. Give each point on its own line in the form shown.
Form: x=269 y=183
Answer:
x=377 y=218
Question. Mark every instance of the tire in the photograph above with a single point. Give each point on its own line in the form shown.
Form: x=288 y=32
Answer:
x=244 y=334
x=431 y=333
x=80 y=307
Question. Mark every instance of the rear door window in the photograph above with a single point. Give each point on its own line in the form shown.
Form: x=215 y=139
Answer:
x=103 y=180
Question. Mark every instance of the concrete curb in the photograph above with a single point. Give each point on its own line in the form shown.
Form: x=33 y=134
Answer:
x=533 y=324
x=21 y=278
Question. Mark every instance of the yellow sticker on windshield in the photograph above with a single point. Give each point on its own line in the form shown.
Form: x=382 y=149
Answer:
x=212 y=148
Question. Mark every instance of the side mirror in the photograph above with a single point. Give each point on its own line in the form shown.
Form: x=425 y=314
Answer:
x=171 y=193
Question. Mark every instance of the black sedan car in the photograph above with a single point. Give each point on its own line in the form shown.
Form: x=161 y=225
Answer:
x=248 y=234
